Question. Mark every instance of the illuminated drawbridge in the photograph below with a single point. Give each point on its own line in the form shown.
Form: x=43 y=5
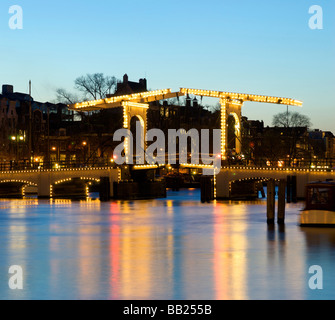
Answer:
x=136 y=105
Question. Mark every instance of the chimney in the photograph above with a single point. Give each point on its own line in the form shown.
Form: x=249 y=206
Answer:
x=188 y=101
x=7 y=89
x=143 y=83
x=125 y=78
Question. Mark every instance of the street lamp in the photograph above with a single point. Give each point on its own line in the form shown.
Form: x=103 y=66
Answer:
x=84 y=144
x=16 y=139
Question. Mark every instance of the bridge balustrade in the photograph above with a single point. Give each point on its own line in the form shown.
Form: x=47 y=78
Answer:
x=27 y=165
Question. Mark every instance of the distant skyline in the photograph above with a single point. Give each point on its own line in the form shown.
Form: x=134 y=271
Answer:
x=261 y=47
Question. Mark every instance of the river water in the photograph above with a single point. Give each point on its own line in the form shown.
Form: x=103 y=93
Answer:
x=174 y=248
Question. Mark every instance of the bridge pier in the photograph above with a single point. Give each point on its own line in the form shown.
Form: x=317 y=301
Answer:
x=222 y=185
x=207 y=189
x=113 y=176
x=44 y=188
x=104 y=189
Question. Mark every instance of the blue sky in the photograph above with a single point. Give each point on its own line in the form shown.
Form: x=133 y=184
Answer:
x=261 y=47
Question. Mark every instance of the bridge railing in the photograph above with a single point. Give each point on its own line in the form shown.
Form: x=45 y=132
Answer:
x=27 y=165
x=324 y=164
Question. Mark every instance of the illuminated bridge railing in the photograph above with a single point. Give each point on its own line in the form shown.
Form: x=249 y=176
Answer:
x=27 y=165
x=279 y=169
x=325 y=164
x=313 y=165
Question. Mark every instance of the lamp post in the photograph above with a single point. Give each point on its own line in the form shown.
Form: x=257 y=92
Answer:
x=84 y=144
x=13 y=139
x=48 y=144
x=16 y=139
x=30 y=126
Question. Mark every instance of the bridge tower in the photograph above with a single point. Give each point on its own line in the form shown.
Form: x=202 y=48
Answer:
x=231 y=104
x=233 y=108
x=139 y=111
x=134 y=109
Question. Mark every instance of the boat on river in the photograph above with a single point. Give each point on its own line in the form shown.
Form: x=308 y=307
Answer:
x=319 y=210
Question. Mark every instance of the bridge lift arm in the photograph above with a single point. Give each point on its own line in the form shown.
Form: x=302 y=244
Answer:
x=114 y=102
x=243 y=97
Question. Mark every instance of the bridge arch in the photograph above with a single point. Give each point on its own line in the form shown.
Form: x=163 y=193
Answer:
x=250 y=186
x=237 y=132
x=18 y=187
x=139 y=118
x=85 y=180
x=138 y=110
x=259 y=179
x=24 y=182
x=61 y=181
x=138 y=130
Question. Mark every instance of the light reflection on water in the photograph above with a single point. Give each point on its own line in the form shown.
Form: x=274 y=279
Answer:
x=174 y=248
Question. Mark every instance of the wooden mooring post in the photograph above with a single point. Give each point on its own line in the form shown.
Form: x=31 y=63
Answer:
x=271 y=202
x=281 y=202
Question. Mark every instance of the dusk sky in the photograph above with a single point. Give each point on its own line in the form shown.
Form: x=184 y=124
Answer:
x=259 y=47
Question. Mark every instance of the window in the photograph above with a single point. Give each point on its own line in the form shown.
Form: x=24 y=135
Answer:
x=62 y=146
x=319 y=196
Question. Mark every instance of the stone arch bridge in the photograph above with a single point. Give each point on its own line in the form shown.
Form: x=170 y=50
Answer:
x=46 y=180
x=229 y=175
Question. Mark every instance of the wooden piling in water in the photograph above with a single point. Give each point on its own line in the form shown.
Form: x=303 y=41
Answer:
x=294 y=189
x=206 y=184
x=281 y=202
x=289 y=189
x=271 y=202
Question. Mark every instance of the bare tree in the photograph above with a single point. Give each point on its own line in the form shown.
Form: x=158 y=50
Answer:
x=295 y=131
x=92 y=86
x=291 y=120
x=96 y=86
x=66 y=97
